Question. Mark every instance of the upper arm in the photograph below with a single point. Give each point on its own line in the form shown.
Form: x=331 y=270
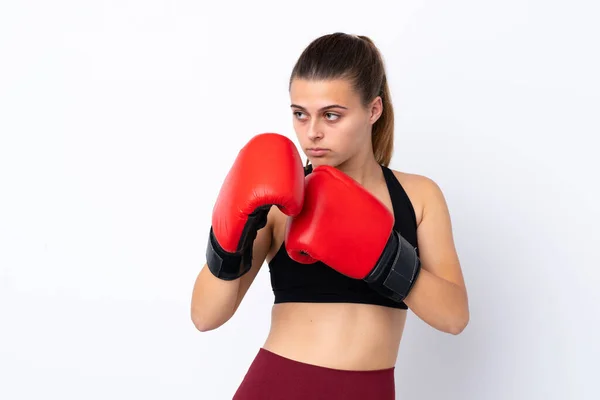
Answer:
x=260 y=249
x=435 y=237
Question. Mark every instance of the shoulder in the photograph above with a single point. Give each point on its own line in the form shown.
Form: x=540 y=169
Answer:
x=422 y=191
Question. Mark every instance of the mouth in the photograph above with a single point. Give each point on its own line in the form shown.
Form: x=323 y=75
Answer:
x=316 y=151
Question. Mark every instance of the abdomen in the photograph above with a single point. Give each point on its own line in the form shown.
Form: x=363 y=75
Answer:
x=337 y=335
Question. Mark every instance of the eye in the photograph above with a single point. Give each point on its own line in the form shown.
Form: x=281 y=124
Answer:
x=332 y=114
x=298 y=114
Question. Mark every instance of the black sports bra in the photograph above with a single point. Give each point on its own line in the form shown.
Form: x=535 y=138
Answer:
x=317 y=283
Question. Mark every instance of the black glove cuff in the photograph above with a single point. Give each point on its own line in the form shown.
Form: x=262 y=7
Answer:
x=397 y=269
x=225 y=265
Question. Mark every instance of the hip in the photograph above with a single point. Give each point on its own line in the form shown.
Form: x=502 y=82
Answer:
x=272 y=376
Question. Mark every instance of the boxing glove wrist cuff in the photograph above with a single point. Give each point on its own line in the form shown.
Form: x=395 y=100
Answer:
x=397 y=269
x=225 y=265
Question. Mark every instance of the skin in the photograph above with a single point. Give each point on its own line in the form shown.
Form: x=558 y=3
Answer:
x=343 y=335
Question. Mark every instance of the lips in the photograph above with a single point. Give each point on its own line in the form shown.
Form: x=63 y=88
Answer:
x=317 y=152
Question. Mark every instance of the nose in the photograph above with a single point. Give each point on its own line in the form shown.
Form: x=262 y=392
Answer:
x=314 y=133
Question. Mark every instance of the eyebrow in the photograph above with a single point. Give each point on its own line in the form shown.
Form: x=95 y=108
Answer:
x=322 y=108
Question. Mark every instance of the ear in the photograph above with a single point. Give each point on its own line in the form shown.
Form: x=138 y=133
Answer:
x=376 y=109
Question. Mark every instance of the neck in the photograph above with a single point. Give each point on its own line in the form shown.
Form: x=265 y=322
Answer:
x=363 y=168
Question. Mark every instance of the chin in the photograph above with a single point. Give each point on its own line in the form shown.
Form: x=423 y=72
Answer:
x=322 y=161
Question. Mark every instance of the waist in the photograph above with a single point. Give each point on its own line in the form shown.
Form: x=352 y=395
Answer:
x=344 y=336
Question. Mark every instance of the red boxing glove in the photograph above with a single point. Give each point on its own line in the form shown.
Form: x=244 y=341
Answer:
x=267 y=171
x=347 y=228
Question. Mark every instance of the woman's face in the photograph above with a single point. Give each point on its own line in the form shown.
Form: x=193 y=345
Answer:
x=330 y=122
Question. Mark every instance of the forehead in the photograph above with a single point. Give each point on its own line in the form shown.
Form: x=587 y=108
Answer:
x=313 y=93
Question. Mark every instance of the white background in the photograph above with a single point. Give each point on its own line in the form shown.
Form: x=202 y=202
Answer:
x=119 y=120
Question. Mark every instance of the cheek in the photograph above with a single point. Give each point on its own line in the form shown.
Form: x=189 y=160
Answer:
x=352 y=134
x=299 y=129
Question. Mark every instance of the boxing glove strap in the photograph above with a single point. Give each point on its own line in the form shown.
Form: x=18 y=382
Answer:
x=229 y=266
x=225 y=265
x=397 y=269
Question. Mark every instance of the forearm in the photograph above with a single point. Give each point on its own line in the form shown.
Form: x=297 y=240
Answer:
x=438 y=302
x=213 y=300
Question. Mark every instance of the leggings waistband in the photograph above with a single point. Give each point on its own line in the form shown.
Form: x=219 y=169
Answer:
x=272 y=376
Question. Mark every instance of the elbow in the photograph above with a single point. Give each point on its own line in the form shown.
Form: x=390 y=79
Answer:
x=203 y=326
x=204 y=323
x=458 y=325
x=460 y=317
x=199 y=323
